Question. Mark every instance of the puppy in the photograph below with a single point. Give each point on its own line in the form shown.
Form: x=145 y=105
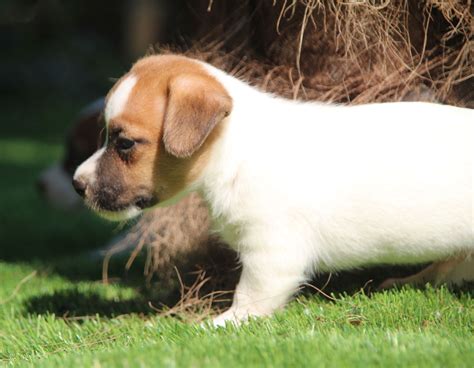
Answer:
x=295 y=188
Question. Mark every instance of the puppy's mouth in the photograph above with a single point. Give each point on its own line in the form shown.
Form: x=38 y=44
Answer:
x=122 y=215
x=146 y=202
x=122 y=212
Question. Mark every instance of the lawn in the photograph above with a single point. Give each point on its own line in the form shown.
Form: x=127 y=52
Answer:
x=54 y=311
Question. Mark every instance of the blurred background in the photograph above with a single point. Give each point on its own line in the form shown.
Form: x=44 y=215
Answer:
x=72 y=49
x=58 y=56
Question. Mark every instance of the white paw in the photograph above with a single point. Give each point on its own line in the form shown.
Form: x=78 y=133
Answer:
x=232 y=317
x=229 y=317
x=222 y=320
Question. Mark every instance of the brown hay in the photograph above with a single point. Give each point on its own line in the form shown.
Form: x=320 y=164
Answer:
x=194 y=304
x=354 y=52
x=351 y=45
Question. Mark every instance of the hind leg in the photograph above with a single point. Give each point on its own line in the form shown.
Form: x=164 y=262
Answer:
x=463 y=272
x=450 y=271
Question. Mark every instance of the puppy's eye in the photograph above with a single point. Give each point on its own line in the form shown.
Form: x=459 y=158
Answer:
x=124 y=144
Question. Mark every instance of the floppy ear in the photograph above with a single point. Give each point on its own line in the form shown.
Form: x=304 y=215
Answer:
x=195 y=105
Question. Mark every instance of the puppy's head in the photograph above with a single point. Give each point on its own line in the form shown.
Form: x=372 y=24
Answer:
x=161 y=118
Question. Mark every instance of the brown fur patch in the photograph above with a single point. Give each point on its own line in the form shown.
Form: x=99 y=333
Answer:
x=195 y=106
x=171 y=113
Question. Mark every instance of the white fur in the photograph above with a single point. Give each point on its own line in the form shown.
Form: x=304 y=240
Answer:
x=299 y=188
x=117 y=101
x=88 y=169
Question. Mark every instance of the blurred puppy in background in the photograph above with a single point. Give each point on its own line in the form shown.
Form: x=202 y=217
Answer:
x=83 y=139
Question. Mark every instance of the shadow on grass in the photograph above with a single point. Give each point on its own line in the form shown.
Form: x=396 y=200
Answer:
x=73 y=303
x=467 y=289
x=349 y=283
x=111 y=301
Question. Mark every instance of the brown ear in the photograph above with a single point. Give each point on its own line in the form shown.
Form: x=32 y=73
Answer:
x=195 y=105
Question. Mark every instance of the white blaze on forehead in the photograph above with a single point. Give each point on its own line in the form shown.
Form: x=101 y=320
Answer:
x=118 y=99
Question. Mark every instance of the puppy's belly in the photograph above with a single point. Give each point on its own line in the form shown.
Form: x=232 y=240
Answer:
x=379 y=204
x=386 y=230
x=353 y=237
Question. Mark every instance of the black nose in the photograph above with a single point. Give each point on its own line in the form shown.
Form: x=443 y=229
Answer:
x=80 y=186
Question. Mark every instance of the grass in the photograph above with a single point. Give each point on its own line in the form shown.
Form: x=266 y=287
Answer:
x=54 y=311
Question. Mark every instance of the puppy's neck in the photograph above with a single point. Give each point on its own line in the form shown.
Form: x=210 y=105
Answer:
x=259 y=128
x=241 y=134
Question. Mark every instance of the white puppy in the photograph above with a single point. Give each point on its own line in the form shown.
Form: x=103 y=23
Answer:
x=295 y=188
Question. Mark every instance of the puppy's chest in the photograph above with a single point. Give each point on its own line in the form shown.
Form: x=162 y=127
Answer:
x=230 y=232
x=234 y=227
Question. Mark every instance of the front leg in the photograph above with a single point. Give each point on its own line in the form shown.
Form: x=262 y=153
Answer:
x=269 y=278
